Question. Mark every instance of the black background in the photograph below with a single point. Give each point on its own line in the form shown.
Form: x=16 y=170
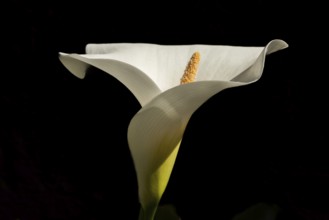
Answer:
x=63 y=148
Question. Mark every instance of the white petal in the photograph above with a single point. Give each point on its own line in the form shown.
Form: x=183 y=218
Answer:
x=148 y=69
x=254 y=72
x=166 y=64
x=143 y=88
x=155 y=132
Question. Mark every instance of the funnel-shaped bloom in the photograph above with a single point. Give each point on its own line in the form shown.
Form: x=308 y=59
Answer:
x=153 y=73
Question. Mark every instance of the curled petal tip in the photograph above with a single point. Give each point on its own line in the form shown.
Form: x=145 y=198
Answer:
x=276 y=45
x=75 y=66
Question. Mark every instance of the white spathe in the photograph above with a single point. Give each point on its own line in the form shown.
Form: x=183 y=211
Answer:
x=152 y=73
x=149 y=69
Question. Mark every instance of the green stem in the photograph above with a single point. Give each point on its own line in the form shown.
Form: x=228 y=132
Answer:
x=148 y=213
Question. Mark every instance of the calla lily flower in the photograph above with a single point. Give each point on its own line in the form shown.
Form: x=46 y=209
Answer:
x=153 y=73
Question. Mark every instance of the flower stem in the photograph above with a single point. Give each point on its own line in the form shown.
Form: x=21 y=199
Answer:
x=147 y=213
